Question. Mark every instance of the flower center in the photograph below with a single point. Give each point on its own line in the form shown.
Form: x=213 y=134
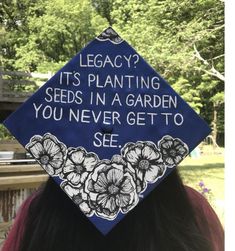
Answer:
x=44 y=159
x=144 y=164
x=77 y=199
x=78 y=169
x=173 y=152
x=112 y=189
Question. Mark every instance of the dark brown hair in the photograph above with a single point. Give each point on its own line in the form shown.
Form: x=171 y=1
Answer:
x=164 y=221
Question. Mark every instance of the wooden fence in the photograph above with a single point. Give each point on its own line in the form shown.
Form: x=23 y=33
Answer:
x=20 y=171
x=18 y=179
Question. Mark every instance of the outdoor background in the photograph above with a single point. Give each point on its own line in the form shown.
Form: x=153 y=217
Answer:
x=182 y=40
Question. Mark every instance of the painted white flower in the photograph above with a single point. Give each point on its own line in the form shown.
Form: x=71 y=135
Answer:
x=111 y=190
x=144 y=160
x=48 y=151
x=79 y=197
x=78 y=165
x=173 y=150
x=111 y=35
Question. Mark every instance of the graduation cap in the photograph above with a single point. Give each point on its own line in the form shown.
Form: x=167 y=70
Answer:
x=108 y=128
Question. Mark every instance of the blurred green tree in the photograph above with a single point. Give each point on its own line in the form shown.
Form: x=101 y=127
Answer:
x=47 y=33
x=184 y=41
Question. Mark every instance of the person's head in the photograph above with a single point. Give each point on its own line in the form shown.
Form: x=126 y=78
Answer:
x=163 y=221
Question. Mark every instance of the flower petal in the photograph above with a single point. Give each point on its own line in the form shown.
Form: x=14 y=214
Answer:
x=56 y=163
x=127 y=186
x=36 y=149
x=77 y=156
x=115 y=176
x=123 y=200
x=177 y=159
x=49 y=169
x=111 y=204
x=166 y=143
x=85 y=208
x=164 y=152
x=77 y=199
x=118 y=159
x=137 y=149
x=169 y=161
x=139 y=174
x=74 y=178
x=90 y=162
x=181 y=150
x=35 y=138
x=51 y=147
x=126 y=148
x=149 y=153
x=89 y=186
x=132 y=156
x=140 y=185
x=69 y=166
x=101 y=183
x=59 y=155
x=83 y=177
x=102 y=199
x=70 y=190
x=153 y=173
x=133 y=200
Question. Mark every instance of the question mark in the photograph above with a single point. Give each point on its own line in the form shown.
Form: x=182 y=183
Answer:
x=137 y=59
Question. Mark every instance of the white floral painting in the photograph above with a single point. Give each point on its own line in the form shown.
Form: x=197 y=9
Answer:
x=106 y=188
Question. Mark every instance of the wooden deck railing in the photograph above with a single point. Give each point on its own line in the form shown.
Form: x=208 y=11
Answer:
x=15 y=177
x=11 y=145
x=18 y=179
x=19 y=172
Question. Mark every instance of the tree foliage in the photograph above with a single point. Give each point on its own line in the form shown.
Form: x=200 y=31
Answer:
x=184 y=42
x=54 y=32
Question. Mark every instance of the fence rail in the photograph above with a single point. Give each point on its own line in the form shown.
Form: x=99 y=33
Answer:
x=18 y=179
x=11 y=145
x=16 y=183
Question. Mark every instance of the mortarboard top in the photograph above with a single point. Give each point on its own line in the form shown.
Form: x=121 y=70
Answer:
x=108 y=128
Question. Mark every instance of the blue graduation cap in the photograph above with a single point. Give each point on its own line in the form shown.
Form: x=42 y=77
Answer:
x=108 y=128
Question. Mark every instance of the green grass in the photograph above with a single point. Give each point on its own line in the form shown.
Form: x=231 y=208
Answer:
x=210 y=170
